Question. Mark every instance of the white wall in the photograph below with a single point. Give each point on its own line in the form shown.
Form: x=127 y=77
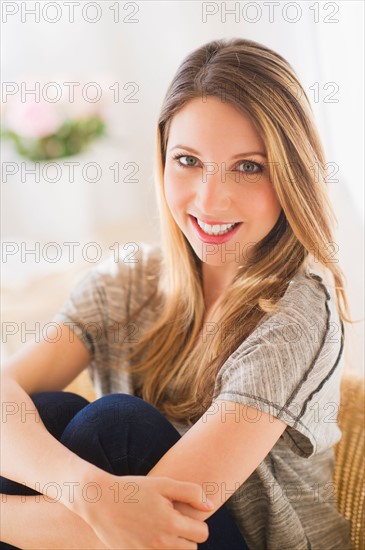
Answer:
x=148 y=53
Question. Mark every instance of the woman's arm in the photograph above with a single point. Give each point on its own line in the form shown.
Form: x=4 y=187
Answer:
x=33 y=523
x=220 y=451
x=31 y=455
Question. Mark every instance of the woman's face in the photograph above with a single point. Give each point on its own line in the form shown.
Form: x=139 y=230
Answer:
x=218 y=181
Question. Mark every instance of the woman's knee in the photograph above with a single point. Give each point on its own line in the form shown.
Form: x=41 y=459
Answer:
x=119 y=410
x=121 y=427
x=57 y=408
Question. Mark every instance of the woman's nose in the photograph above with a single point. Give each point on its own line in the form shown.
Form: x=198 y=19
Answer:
x=212 y=196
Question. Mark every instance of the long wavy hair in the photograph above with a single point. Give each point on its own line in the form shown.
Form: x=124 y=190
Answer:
x=175 y=362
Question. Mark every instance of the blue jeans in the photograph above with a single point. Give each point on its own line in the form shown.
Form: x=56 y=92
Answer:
x=123 y=435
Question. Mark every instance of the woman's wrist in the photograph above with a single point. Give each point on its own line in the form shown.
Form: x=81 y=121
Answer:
x=83 y=487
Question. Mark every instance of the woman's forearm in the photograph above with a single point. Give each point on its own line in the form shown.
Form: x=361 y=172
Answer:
x=31 y=455
x=36 y=523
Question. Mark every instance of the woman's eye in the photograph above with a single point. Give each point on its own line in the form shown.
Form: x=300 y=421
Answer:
x=250 y=167
x=186 y=160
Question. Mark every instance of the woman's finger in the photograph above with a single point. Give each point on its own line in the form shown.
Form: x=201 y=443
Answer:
x=184 y=491
x=189 y=528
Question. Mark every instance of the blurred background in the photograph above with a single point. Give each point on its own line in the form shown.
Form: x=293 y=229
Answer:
x=93 y=76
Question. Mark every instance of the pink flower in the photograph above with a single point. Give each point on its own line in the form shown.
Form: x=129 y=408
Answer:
x=32 y=119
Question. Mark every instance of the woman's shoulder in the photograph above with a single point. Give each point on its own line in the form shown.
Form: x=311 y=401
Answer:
x=110 y=290
x=306 y=324
x=311 y=296
x=133 y=256
x=129 y=275
x=310 y=281
x=121 y=280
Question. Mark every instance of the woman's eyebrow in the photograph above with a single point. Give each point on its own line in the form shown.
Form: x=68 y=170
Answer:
x=195 y=152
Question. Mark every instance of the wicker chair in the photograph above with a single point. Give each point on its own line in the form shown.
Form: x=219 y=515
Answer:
x=349 y=452
x=349 y=473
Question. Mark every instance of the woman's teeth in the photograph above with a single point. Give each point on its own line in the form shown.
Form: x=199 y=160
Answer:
x=215 y=229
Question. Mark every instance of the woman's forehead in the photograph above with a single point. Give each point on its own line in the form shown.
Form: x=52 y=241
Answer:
x=213 y=121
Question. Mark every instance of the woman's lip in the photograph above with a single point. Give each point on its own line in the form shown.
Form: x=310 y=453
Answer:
x=213 y=239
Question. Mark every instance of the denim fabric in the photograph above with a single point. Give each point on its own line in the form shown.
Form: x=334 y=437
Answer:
x=123 y=435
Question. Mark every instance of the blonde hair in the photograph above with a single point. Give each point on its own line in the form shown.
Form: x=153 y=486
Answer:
x=176 y=366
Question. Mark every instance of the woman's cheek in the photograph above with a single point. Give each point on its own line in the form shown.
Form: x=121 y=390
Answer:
x=178 y=187
x=262 y=201
x=174 y=192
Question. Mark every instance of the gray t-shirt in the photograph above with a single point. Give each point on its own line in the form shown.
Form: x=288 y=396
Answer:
x=290 y=367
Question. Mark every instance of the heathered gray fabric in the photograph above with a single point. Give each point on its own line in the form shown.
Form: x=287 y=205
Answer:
x=290 y=367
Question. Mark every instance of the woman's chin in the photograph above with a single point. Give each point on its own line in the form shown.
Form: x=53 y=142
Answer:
x=212 y=255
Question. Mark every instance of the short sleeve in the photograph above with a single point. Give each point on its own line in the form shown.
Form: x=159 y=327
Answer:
x=99 y=307
x=85 y=312
x=290 y=366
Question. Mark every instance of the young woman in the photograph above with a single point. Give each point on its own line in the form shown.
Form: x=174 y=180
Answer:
x=216 y=356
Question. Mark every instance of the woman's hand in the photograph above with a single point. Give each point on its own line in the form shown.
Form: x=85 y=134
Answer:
x=135 y=512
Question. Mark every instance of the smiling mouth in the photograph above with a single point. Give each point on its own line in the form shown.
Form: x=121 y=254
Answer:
x=215 y=229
